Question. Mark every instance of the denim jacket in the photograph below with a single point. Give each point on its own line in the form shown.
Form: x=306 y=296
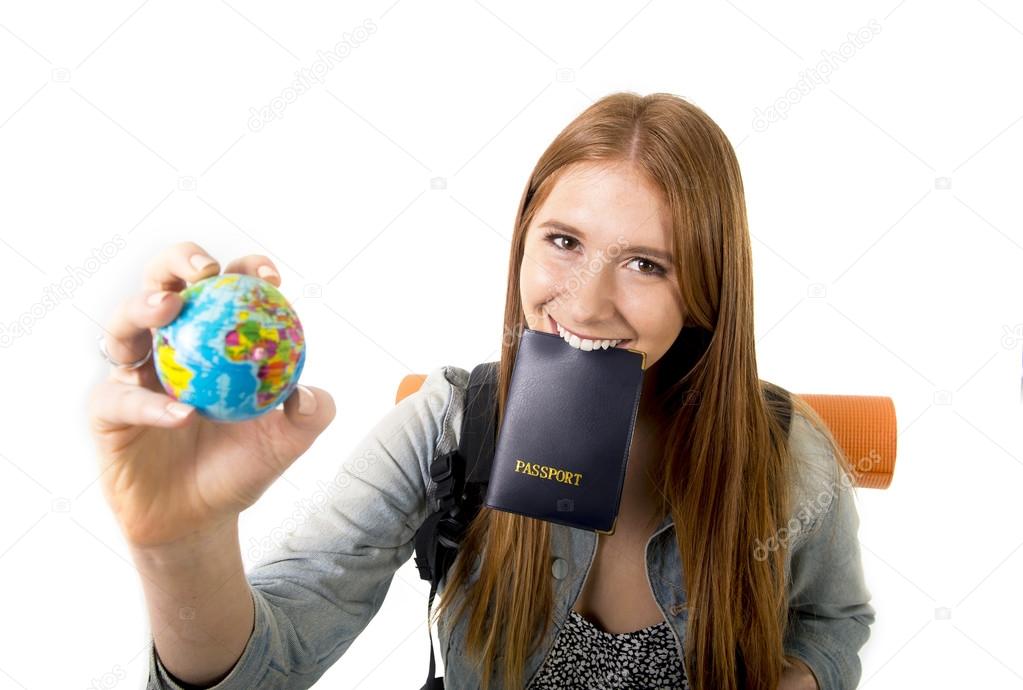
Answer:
x=317 y=589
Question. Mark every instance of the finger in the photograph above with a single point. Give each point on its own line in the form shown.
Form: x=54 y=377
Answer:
x=128 y=338
x=307 y=412
x=179 y=264
x=256 y=265
x=114 y=406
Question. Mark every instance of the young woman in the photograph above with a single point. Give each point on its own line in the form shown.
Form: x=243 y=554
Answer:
x=734 y=562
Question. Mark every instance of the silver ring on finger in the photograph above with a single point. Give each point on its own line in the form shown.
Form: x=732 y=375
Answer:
x=130 y=365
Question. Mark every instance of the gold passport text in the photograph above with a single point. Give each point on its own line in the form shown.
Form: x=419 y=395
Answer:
x=546 y=472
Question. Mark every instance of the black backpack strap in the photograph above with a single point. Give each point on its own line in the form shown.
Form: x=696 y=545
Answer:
x=459 y=474
x=479 y=427
x=460 y=492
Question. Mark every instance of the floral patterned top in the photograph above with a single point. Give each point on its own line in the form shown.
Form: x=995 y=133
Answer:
x=586 y=657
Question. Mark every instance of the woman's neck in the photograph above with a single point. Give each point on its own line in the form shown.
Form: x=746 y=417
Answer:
x=639 y=504
x=640 y=495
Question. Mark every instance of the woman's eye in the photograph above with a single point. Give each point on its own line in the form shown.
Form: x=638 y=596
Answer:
x=552 y=236
x=655 y=268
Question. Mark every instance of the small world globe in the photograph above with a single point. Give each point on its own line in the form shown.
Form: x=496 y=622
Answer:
x=234 y=352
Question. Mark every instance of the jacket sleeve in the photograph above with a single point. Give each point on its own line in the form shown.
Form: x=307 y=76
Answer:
x=319 y=579
x=829 y=604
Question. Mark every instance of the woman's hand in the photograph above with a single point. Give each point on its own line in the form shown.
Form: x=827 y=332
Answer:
x=166 y=471
x=798 y=676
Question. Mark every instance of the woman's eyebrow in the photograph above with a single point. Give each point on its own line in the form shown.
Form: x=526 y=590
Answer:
x=565 y=227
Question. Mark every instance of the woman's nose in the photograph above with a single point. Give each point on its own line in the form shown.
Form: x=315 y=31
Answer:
x=594 y=300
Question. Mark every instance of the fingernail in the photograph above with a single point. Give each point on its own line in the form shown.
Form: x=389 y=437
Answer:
x=201 y=261
x=157 y=298
x=265 y=272
x=178 y=410
x=306 y=401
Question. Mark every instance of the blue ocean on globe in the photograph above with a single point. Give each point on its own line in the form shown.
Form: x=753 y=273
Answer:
x=234 y=352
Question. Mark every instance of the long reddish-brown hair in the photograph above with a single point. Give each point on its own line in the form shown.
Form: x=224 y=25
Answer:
x=724 y=471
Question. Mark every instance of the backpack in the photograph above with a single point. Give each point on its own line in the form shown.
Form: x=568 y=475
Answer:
x=462 y=475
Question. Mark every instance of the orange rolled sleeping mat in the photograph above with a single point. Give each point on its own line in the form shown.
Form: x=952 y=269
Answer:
x=863 y=425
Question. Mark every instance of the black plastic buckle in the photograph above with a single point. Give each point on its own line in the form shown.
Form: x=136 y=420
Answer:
x=450 y=532
x=442 y=472
x=423 y=566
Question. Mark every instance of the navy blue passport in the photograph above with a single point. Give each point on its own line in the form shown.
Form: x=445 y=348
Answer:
x=563 y=444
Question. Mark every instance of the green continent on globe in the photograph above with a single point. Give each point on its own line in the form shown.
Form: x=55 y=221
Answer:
x=235 y=351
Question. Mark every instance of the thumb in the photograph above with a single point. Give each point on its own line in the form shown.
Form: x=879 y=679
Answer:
x=307 y=412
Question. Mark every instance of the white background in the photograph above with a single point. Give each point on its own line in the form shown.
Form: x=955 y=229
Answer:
x=132 y=121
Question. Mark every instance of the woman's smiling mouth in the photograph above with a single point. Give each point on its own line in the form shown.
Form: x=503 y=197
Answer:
x=584 y=343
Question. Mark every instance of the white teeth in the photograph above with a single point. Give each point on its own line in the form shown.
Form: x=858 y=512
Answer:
x=584 y=344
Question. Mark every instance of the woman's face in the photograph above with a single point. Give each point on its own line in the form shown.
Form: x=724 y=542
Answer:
x=598 y=261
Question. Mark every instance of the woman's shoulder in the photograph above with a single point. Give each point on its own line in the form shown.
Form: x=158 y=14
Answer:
x=444 y=377
x=817 y=477
x=441 y=399
x=812 y=452
x=443 y=390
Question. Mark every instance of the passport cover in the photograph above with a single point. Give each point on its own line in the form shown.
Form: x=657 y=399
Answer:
x=564 y=441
